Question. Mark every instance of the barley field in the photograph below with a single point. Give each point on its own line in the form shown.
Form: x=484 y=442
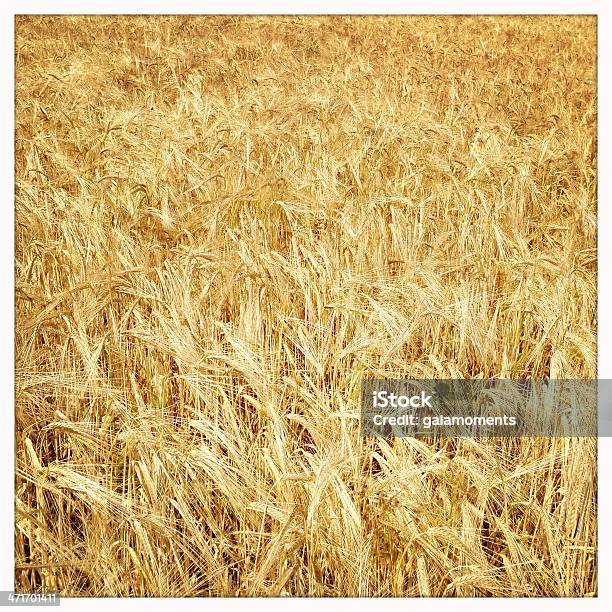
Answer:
x=224 y=224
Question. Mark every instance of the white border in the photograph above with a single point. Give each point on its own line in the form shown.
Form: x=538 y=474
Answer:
x=8 y=11
x=305 y=7
x=604 y=305
x=7 y=406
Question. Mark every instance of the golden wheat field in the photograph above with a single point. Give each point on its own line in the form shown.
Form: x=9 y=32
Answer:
x=223 y=225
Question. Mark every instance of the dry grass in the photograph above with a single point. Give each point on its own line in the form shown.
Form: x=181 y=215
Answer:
x=223 y=225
